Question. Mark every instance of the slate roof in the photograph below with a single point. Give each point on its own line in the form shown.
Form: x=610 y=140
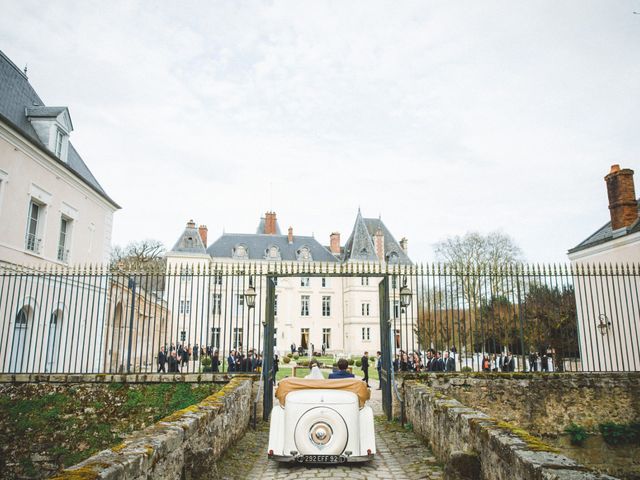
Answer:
x=257 y=245
x=605 y=234
x=361 y=247
x=16 y=96
x=190 y=242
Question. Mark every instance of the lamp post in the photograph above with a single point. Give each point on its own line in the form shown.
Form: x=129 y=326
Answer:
x=405 y=294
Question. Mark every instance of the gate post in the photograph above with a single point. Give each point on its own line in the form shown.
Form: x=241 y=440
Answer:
x=387 y=347
x=268 y=366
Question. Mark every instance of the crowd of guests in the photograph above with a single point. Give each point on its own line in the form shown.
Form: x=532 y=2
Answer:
x=433 y=361
x=176 y=359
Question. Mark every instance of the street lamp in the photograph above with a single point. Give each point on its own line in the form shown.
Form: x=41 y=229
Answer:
x=250 y=296
x=405 y=294
x=603 y=324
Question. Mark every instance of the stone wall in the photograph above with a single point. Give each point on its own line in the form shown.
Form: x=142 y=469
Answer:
x=185 y=445
x=545 y=404
x=473 y=445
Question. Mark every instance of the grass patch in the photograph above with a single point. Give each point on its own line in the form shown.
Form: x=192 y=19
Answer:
x=69 y=425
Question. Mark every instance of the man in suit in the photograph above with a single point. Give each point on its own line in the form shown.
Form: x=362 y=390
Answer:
x=231 y=361
x=429 y=367
x=342 y=370
x=438 y=365
x=162 y=359
x=365 y=367
x=449 y=363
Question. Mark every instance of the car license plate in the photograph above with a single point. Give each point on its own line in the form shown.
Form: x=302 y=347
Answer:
x=321 y=459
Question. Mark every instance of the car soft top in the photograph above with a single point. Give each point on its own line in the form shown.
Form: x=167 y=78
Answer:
x=354 y=385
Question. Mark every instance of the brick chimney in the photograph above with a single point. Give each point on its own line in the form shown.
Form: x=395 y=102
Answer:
x=191 y=224
x=203 y=230
x=290 y=235
x=378 y=243
x=270 y=223
x=623 y=205
x=334 y=244
x=404 y=245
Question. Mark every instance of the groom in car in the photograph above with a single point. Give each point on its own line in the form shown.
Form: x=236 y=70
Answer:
x=342 y=371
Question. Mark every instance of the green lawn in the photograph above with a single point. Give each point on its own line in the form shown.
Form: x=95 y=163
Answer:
x=284 y=370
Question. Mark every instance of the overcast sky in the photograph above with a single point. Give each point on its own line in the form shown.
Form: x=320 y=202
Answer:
x=442 y=117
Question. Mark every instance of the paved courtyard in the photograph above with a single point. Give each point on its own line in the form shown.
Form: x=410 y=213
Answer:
x=401 y=455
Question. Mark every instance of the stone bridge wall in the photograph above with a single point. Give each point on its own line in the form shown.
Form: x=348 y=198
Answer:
x=544 y=404
x=477 y=445
x=185 y=445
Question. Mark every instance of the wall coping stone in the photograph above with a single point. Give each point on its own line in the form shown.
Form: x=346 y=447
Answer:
x=122 y=378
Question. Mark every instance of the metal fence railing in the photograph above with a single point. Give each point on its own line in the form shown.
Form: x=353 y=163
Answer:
x=211 y=317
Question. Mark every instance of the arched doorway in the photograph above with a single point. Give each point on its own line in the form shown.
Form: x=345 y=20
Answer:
x=53 y=341
x=23 y=318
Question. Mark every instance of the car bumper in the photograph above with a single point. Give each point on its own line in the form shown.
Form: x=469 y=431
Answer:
x=298 y=458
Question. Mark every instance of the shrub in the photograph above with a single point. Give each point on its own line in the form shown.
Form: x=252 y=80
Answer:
x=466 y=369
x=358 y=363
x=289 y=355
x=286 y=359
x=296 y=356
x=206 y=361
x=350 y=362
x=373 y=359
x=303 y=363
x=577 y=434
x=620 y=433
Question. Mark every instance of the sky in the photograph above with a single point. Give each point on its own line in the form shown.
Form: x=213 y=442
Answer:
x=439 y=117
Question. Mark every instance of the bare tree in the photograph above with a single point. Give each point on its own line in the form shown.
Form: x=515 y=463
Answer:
x=143 y=261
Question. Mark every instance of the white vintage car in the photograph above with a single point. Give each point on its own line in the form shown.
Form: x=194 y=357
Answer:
x=321 y=421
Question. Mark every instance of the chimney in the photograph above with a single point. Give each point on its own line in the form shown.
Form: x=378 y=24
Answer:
x=202 y=230
x=191 y=224
x=378 y=243
x=270 y=223
x=623 y=205
x=290 y=235
x=403 y=244
x=334 y=244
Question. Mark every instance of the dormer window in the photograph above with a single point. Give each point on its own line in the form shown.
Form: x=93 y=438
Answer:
x=240 y=251
x=59 y=143
x=272 y=253
x=52 y=125
x=304 y=254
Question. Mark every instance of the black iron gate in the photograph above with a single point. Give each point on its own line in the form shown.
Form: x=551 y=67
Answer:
x=269 y=365
x=386 y=373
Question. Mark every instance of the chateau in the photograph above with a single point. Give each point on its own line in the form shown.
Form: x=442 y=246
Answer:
x=340 y=313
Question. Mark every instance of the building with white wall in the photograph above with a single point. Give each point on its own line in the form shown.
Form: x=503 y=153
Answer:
x=606 y=266
x=340 y=312
x=53 y=212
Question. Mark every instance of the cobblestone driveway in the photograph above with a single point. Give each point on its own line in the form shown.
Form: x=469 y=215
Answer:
x=401 y=455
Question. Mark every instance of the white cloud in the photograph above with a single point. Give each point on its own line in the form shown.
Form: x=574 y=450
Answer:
x=444 y=118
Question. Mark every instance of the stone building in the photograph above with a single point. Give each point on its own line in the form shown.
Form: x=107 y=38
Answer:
x=339 y=312
x=606 y=265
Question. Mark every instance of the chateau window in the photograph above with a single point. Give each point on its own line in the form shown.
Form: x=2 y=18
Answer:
x=364 y=281
x=216 y=300
x=326 y=306
x=63 y=241
x=240 y=251
x=217 y=279
x=366 y=309
x=237 y=338
x=304 y=305
x=58 y=146
x=185 y=306
x=326 y=337
x=240 y=301
x=325 y=282
x=366 y=333
x=215 y=337
x=275 y=306
x=396 y=308
x=394 y=282
x=33 y=240
x=304 y=254
x=305 y=281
